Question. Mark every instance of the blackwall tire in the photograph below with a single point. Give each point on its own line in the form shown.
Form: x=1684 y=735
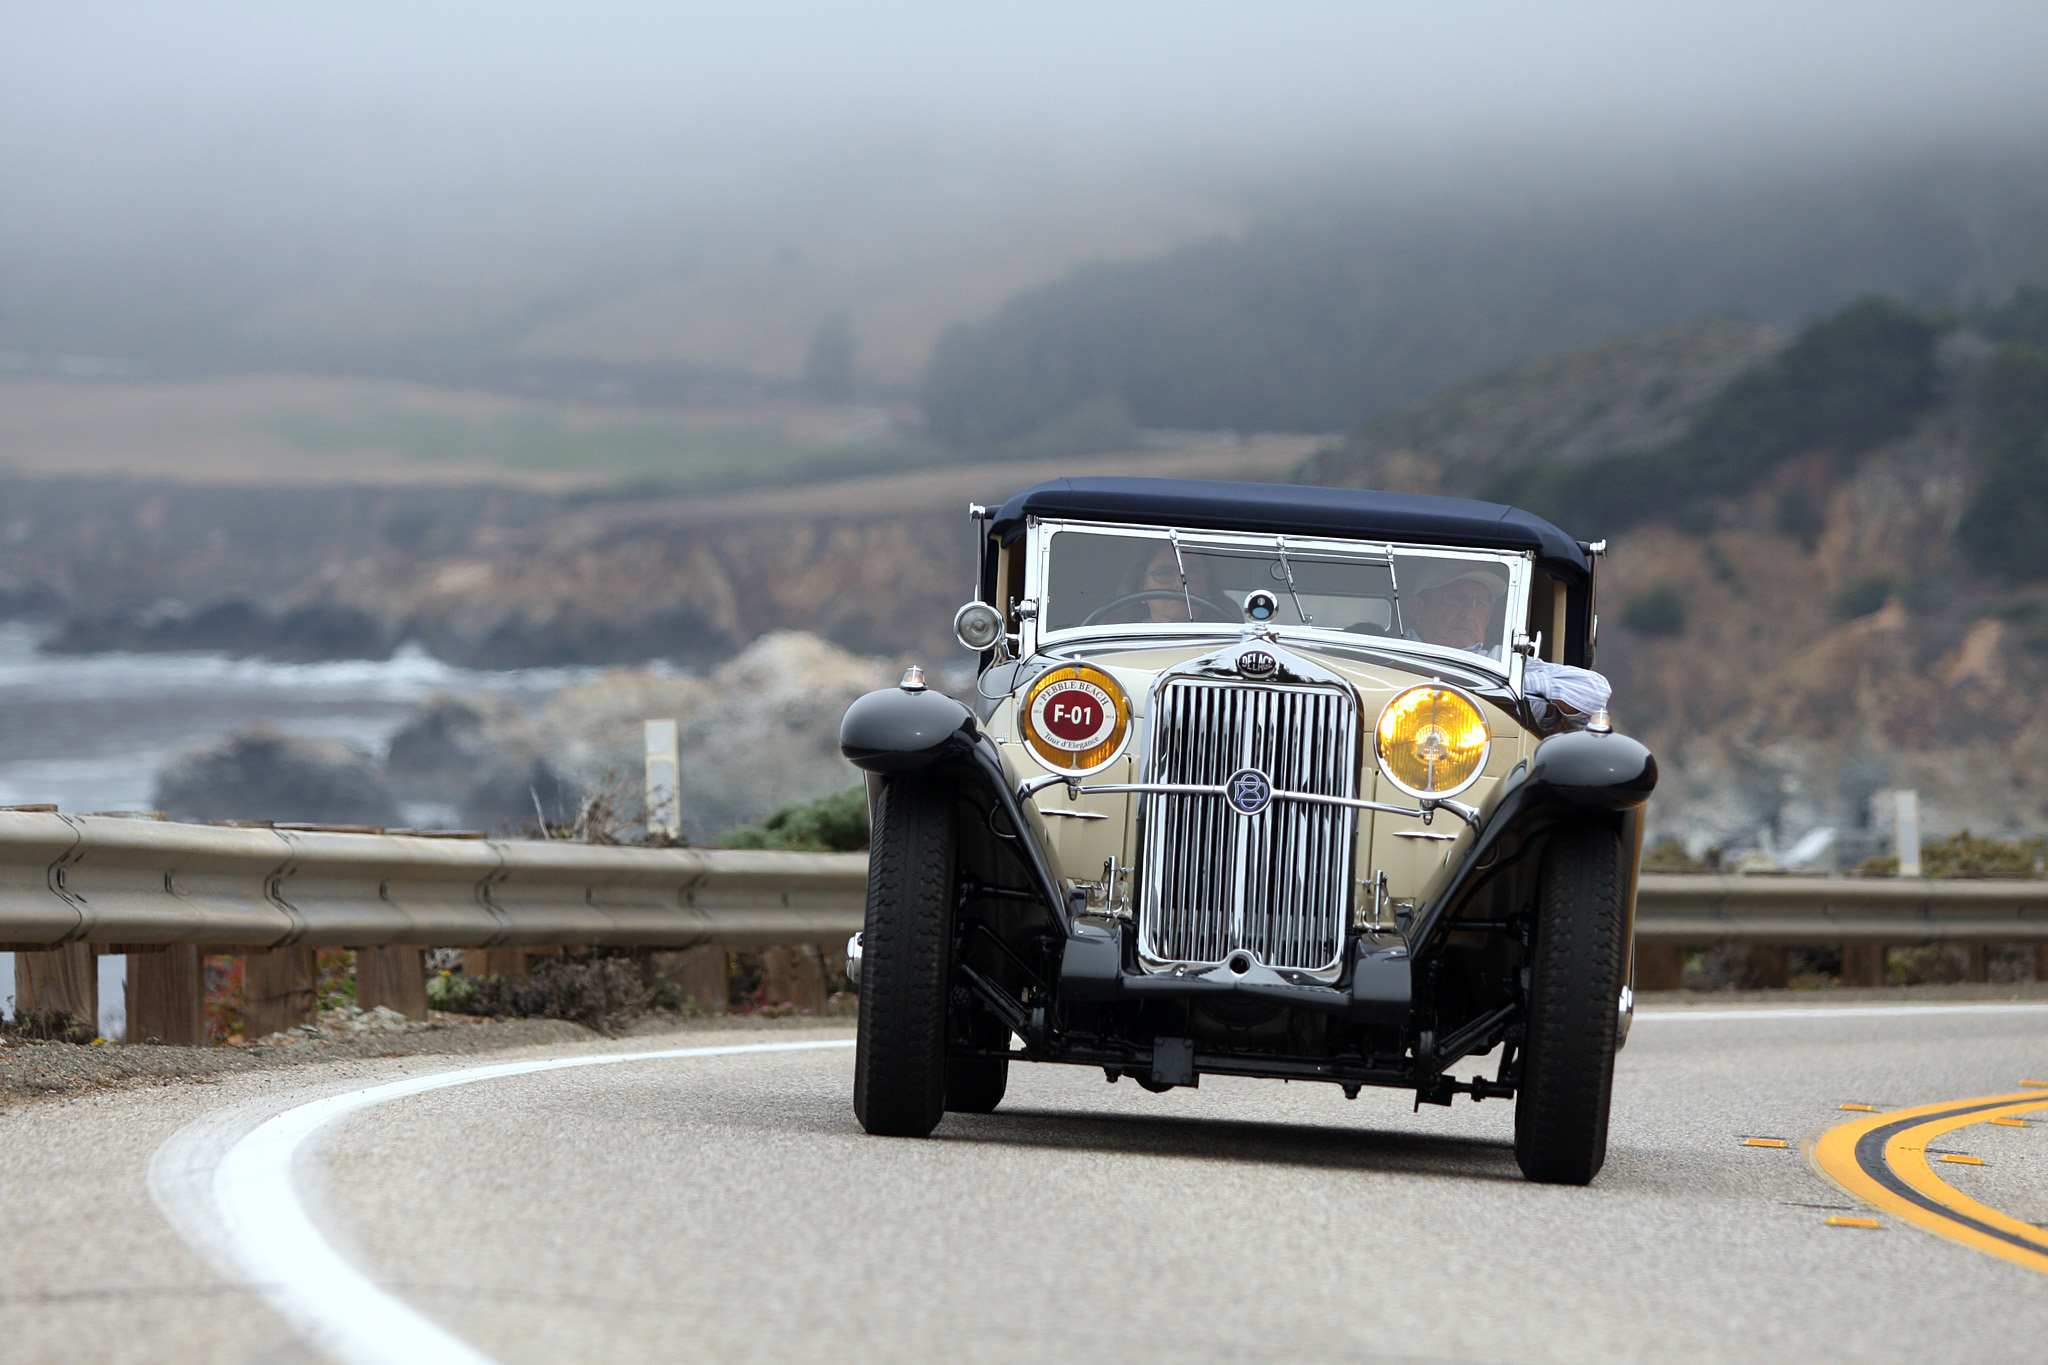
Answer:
x=1575 y=979
x=899 y=1064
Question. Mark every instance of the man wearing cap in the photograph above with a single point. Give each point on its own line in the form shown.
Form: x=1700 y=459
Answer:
x=1457 y=611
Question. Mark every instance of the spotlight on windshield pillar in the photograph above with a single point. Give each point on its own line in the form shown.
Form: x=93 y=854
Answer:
x=1260 y=605
x=978 y=626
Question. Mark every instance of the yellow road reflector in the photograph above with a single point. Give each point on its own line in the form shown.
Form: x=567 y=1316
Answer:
x=1837 y=1221
x=1964 y=1160
x=2040 y=1083
x=2010 y=1123
x=1765 y=1142
x=1858 y=1108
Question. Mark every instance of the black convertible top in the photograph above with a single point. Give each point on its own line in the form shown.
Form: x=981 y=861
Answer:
x=1294 y=509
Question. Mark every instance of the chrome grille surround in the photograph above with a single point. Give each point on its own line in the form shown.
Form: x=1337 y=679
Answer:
x=1277 y=884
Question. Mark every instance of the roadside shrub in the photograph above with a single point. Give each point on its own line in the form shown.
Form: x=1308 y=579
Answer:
x=1660 y=611
x=835 y=824
x=602 y=993
x=1669 y=855
x=1966 y=856
x=54 y=1027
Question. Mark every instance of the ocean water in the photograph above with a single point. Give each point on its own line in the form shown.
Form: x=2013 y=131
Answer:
x=87 y=732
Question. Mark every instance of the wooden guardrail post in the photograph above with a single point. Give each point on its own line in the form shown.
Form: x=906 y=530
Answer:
x=393 y=977
x=1863 y=964
x=167 y=995
x=1767 y=965
x=700 y=974
x=63 y=980
x=1660 y=967
x=280 y=990
x=795 y=976
x=503 y=961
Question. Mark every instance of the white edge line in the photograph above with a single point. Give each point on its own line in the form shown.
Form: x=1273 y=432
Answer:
x=272 y=1241
x=1836 y=1011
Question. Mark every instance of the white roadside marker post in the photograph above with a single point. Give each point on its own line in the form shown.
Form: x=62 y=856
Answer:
x=664 y=808
x=1906 y=831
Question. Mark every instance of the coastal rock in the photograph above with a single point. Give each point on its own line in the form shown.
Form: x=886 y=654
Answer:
x=260 y=775
x=758 y=733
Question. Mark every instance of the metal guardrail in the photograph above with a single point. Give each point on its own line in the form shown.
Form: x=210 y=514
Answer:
x=1685 y=908
x=72 y=878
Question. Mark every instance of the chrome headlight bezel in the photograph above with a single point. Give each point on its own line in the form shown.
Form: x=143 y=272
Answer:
x=974 y=620
x=1379 y=741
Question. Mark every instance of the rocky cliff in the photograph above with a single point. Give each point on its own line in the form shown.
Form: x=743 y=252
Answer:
x=1791 y=648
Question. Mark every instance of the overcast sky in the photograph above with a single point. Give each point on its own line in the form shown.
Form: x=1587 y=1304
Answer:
x=99 y=102
x=136 y=135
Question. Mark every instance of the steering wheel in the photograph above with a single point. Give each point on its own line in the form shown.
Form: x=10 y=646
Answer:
x=1154 y=595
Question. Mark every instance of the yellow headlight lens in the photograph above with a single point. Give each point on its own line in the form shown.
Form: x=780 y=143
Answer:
x=1076 y=719
x=1432 y=741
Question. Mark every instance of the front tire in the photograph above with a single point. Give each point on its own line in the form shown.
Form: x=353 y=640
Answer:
x=1575 y=979
x=899 y=1064
x=975 y=1085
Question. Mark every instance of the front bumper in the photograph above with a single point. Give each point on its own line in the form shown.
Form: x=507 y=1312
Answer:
x=1376 y=986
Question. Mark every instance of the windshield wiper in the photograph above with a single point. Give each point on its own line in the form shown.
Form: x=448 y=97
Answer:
x=1173 y=537
x=1288 y=569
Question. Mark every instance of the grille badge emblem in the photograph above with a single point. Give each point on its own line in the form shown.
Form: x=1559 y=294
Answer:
x=1257 y=663
x=1249 y=791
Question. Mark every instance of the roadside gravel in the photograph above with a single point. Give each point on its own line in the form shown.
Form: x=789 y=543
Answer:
x=31 y=1071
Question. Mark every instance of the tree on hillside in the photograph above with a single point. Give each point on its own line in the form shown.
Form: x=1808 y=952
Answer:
x=1845 y=385
x=2005 y=529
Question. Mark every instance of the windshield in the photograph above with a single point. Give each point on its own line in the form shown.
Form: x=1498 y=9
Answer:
x=1107 y=578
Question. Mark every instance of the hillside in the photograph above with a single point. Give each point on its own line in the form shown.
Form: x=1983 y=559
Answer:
x=1321 y=319
x=1821 y=633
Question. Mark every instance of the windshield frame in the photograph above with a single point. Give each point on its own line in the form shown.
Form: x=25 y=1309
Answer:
x=1040 y=533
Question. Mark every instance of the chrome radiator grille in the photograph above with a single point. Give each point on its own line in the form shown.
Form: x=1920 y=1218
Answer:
x=1278 y=883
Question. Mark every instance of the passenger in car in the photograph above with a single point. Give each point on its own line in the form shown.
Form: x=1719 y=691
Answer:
x=1458 y=612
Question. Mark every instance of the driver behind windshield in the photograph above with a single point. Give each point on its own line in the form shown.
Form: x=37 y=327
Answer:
x=1153 y=591
x=1457 y=612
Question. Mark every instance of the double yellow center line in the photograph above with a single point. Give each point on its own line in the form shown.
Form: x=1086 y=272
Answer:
x=1883 y=1160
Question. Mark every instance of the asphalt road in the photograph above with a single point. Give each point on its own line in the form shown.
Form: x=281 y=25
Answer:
x=727 y=1208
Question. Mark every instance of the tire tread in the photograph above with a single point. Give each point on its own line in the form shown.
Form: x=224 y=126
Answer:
x=899 y=1087
x=1574 y=992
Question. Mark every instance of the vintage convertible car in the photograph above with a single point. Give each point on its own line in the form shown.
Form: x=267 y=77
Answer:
x=1262 y=780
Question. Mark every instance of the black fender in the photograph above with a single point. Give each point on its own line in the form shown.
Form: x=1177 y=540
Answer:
x=895 y=731
x=1573 y=778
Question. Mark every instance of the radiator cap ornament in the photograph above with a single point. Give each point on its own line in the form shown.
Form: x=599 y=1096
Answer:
x=1248 y=791
x=1257 y=663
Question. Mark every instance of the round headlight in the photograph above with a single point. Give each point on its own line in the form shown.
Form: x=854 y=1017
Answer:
x=978 y=626
x=1432 y=741
x=1076 y=719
